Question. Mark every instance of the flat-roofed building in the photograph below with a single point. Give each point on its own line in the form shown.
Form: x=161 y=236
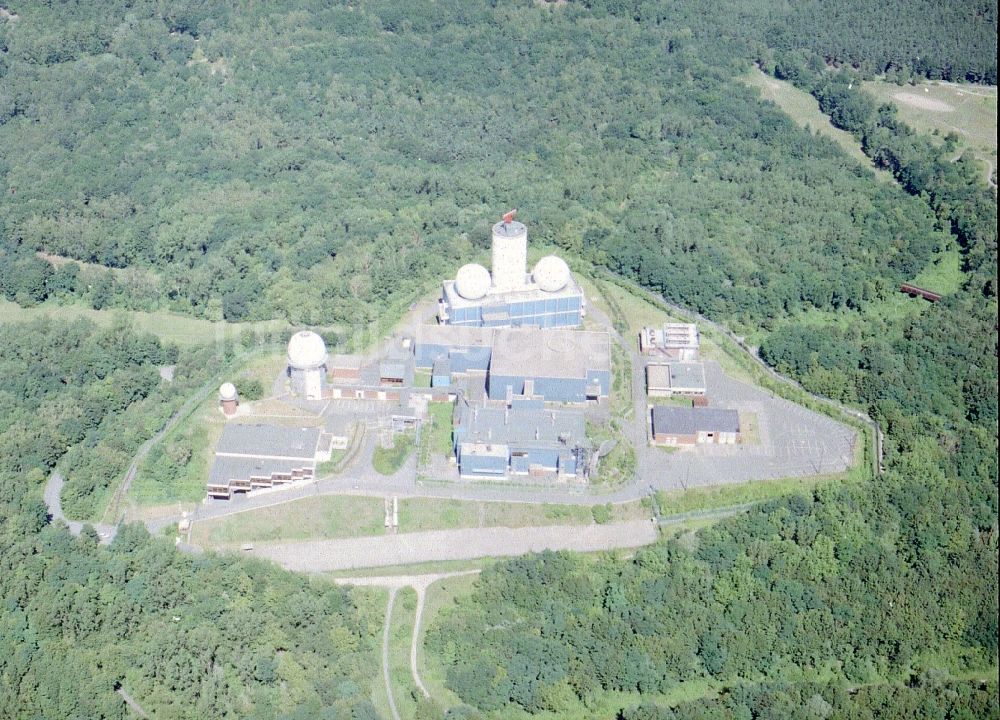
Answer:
x=672 y=341
x=674 y=426
x=344 y=367
x=672 y=379
x=526 y=440
x=248 y=457
x=555 y=365
x=468 y=349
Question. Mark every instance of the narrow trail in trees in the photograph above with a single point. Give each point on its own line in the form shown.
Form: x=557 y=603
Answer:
x=386 y=633
x=394 y=583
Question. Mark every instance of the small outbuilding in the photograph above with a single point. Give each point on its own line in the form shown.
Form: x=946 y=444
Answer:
x=677 y=426
x=671 y=379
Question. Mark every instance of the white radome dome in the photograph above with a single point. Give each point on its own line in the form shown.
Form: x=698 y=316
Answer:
x=227 y=391
x=551 y=273
x=472 y=281
x=306 y=350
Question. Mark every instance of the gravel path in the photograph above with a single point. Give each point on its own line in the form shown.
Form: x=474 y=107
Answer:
x=466 y=544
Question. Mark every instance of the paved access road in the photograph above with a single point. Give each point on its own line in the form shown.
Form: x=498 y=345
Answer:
x=466 y=544
x=53 y=489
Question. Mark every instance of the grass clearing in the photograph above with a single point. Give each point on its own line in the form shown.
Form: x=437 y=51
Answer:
x=804 y=110
x=435 y=435
x=416 y=514
x=677 y=502
x=938 y=108
x=325 y=516
x=388 y=461
x=437 y=566
x=342 y=516
x=168 y=326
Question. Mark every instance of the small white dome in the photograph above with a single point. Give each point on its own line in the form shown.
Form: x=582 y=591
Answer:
x=551 y=273
x=306 y=350
x=227 y=391
x=472 y=281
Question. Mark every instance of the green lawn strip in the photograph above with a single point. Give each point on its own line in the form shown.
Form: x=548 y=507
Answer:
x=692 y=500
x=324 y=516
x=342 y=516
x=387 y=461
x=804 y=111
x=435 y=435
x=168 y=326
x=400 y=637
x=417 y=514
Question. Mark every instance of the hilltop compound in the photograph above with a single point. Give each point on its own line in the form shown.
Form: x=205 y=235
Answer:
x=509 y=296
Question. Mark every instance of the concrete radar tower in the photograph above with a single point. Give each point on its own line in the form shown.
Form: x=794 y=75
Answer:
x=307 y=364
x=510 y=254
x=229 y=398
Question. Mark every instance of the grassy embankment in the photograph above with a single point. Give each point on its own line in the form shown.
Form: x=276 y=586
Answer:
x=340 y=516
x=388 y=460
x=804 y=110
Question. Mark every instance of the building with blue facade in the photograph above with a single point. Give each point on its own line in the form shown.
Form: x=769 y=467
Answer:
x=507 y=295
x=467 y=349
x=556 y=365
x=525 y=439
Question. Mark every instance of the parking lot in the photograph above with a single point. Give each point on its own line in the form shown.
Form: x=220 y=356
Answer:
x=793 y=442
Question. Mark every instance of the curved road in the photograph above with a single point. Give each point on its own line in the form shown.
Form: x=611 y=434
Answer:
x=52 y=492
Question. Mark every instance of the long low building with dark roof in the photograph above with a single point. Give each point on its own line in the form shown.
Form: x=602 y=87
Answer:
x=695 y=425
x=249 y=457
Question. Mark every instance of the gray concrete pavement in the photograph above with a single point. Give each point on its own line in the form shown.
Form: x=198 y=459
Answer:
x=438 y=545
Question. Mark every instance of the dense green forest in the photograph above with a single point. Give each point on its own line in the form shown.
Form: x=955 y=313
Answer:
x=359 y=152
x=322 y=161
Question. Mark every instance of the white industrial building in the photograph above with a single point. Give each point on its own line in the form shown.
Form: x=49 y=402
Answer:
x=672 y=341
x=507 y=295
x=307 y=358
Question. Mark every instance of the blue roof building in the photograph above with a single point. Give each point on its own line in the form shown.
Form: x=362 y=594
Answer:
x=555 y=365
x=496 y=442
